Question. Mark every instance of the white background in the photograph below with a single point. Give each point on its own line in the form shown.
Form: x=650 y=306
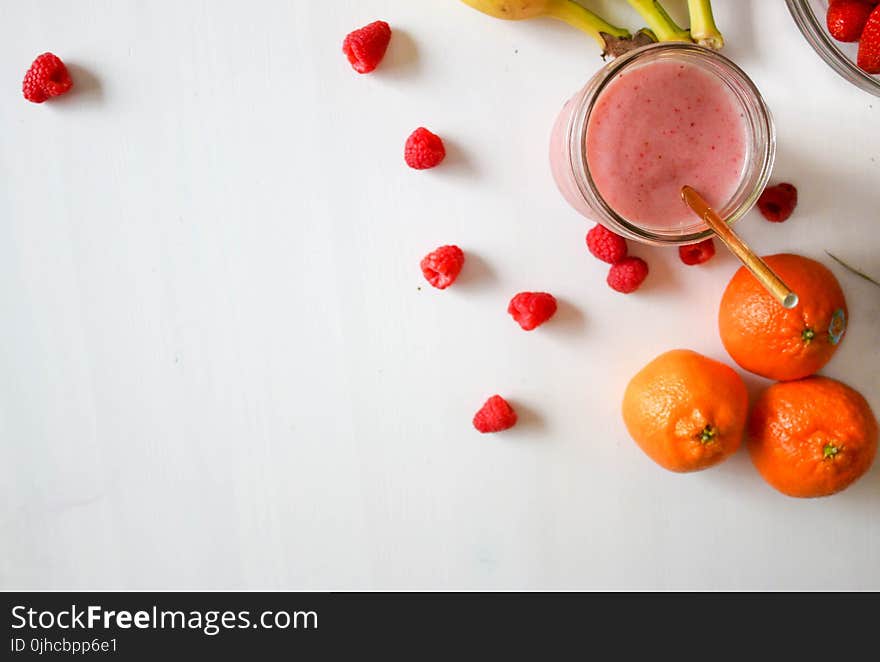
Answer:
x=220 y=366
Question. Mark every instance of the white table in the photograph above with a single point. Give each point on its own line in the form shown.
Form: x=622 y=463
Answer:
x=220 y=366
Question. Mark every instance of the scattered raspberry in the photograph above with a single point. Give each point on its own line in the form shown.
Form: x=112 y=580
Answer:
x=442 y=266
x=532 y=309
x=423 y=149
x=628 y=274
x=47 y=77
x=366 y=47
x=869 y=45
x=494 y=416
x=606 y=245
x=778 y=202
x=697 y=253
x=846 y=19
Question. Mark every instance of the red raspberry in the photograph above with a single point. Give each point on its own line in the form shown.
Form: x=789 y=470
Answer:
x=47 y=77
x=442 y=266
x=628 y=274
x=423 y=149
x=846 y=19
x=606 y=245
x=532 y=309
x=697 y=253
x=366 y=47
x=777 y=202
x=494 y=416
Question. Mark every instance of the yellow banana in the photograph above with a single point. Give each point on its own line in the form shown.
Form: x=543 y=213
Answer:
x=564 y=10
x=703 y=28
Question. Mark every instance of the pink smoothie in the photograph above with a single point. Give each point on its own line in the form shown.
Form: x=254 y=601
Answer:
x=657 y=127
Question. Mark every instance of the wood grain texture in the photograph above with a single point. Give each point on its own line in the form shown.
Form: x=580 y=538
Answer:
x=219 y=364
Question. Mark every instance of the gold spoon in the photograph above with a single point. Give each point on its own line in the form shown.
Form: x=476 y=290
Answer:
x=765 y=275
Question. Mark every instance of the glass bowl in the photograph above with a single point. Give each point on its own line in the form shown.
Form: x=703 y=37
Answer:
x=810 y=18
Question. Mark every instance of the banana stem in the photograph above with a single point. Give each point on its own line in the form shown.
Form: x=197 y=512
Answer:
x=703 y=28
x=659 y=21
x=585 y=20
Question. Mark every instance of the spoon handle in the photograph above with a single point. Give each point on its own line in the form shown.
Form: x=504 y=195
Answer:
x=765 y=275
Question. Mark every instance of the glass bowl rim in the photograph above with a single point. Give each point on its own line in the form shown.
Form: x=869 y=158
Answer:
x=822 y=42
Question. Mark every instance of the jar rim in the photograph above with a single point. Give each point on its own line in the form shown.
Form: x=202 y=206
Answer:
x=759 y=166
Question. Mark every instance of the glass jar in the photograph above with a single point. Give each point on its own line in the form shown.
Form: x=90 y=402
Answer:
x=568 y=145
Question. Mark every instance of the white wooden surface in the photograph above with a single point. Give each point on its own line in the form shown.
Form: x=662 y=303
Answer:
x=219 y=364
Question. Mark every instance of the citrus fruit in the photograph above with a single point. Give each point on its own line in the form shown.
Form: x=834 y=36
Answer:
x=771 y=341
x=812 y=437
x=686 y=411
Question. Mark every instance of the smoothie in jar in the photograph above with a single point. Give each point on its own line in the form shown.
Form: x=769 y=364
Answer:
x=658 y=127
x=653 y=121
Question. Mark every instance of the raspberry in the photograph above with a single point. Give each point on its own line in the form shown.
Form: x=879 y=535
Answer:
x=606 y=245
x=628 y=274
x=366 y=47
x=697 y=253
x=442 y=266
x=777 y=202
x=494 y=416
x=423 y=149
x=46 y=78
x=532 y=309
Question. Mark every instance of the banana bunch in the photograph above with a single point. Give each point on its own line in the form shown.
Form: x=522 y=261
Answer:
x=612 y=39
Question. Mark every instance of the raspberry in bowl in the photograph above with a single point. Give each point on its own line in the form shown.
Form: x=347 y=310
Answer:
x=652 y=121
